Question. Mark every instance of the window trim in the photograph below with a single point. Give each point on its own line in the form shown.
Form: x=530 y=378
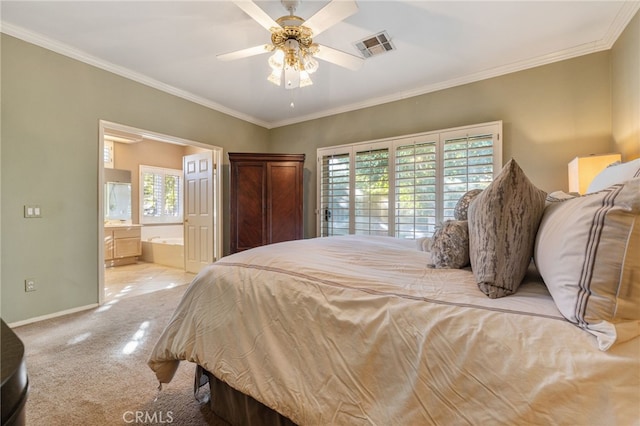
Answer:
x=392 y=143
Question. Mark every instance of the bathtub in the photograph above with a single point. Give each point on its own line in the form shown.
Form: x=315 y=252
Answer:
x=168 y=251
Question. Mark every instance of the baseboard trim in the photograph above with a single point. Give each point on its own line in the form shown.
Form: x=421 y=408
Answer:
x=53 y=315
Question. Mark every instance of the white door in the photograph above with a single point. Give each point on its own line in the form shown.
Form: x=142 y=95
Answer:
x=199 y=218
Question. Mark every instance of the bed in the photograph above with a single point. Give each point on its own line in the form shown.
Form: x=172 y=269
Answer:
x=351 y=330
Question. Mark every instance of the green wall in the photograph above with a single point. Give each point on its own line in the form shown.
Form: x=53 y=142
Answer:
x=625 y=84
x=51 y=106
x=550 y=115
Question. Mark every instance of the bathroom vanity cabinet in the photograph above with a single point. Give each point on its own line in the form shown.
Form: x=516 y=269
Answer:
x=122 y=245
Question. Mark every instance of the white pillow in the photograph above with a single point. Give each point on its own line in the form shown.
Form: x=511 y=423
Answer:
x=588 y=254
x=611 y=175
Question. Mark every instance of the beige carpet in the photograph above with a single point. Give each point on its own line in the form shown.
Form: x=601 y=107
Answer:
x=89 y=368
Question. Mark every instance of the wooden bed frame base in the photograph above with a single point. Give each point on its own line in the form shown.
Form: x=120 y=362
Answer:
x=236 y=408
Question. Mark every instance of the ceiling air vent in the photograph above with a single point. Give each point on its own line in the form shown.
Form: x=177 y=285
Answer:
x=375 y=45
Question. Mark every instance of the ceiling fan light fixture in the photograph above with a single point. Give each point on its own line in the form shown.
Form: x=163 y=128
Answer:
x=291 y=77
x=305 y=79
x=292 y=60
x=295 y=63
x=309 y=63
x=276 y=61
x=295 y=54
x=275 y=77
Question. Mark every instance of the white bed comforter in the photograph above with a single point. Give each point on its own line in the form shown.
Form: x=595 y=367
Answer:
x=357 y=330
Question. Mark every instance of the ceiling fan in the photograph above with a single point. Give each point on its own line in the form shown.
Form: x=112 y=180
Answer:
x=295 y=52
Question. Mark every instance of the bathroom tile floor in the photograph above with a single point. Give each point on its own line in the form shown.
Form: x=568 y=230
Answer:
x=141 y=277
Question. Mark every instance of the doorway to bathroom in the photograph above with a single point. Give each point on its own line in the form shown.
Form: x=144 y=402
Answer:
x=170 y=225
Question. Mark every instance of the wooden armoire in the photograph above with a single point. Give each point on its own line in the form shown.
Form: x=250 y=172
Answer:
x=266 y=199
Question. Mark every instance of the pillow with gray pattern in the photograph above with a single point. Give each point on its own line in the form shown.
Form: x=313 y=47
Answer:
x=450 y=245
x=503 y=222
x=462 y=206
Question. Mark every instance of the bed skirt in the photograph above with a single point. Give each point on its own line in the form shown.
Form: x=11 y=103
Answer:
x=236 y=408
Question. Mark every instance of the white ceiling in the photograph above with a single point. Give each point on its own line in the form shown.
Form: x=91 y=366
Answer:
x=172 y=45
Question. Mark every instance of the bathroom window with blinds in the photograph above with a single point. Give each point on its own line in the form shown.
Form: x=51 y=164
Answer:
x=160 y=195
x=405 y=186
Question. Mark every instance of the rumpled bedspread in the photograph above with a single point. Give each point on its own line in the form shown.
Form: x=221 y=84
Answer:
x=358 y=330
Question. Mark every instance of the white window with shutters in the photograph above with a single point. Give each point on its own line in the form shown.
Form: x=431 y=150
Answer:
x=335 y=180
x=404 y=186
x=160 y=195
x=371 y=190
x=416 y=201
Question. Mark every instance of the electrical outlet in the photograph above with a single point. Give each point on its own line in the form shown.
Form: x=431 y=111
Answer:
x=31 y=211
x=30 y=284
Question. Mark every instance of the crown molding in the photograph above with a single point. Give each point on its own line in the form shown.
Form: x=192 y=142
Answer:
x=458 y=81
x=627 y=11
x=625 y=15
x=66 y=50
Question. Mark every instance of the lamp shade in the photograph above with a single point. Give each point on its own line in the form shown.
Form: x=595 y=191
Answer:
x=582 y=170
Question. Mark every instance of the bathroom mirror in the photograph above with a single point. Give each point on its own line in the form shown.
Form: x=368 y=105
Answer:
x=117 y=202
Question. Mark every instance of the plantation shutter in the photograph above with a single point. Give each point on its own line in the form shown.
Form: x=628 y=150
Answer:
x=152 y=190
x=371 y=211
x=467 y=164
x=335 y=195
x=404 y=187
x=172 y=195
x=415 y=189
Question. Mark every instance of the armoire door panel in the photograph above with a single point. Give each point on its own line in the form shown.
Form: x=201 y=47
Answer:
x=250 y=206
x=282 y=210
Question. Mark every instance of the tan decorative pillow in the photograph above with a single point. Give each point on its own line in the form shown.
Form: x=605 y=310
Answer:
x=450 y=245
x=503 y=221
x=588 y=254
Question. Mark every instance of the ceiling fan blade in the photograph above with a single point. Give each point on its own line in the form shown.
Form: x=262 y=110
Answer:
x=339 y=57
x=330 y=15
x=245 y=53
x=259 y=15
